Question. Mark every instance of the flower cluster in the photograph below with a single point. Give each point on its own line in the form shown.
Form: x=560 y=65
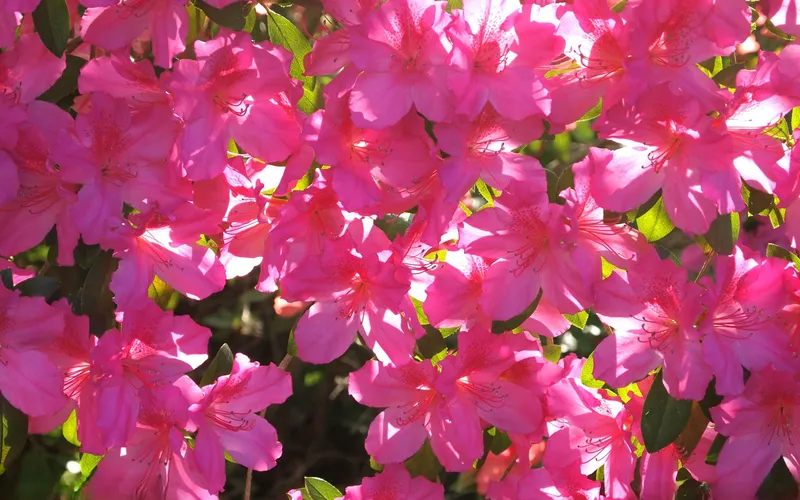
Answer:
x=408 y=206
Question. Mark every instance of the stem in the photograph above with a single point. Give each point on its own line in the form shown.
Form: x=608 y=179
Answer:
x=705 y=266
x=248 y=478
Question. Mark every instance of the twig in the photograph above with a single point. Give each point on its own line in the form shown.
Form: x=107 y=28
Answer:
x=248 y=478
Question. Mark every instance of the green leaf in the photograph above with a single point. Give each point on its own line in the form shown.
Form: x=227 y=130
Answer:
x=374 y=465
x=484 y=190
x=502 y=326
x=234 y=16
x=592 y=113
x=500 y=442
x=774 y=250
x=39 y=286
x=795 y=118
x=758 y=202
x=727 y=77
x=619 y=6
x=291 y=347
x=663 y=417
x=67 y=83
x=284 y=33
x=655 y=223
x=424 y=463
x=89 y=462
x=222 y=364
x=455 y=4
x=587 y=374
x=319 y=489
x=36 y=479
x=15 y=433
x=70 y=429
x=552 y=352
x=780 y=131
x=51 y=20
x=723 y=233
x=162 y=294
x=693 y=432
x=95 y=298
x=578 y=320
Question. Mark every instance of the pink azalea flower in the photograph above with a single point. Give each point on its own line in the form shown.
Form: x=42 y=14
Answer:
x=153 y=349
x=395 y=483
x=356 y=288
x=526 y=234
x=154 y=244
x=739 y=328
x=483 y=149
x=247 y=217
x=227 y=421
x=302 y=227
x=785 y=14
x=120 y=157
x=115 y=27
x=27 y=68
x=485 y=69
x=43 y=199
x=561 y=476
x=119 y=77
x=667 y=42
x=157 y=462
x=369 y=162
x=401 y=51
x=652 y=309
x=235 y=89
x=666 y=136
x=10 y=17
x=330 y=53
x=456 y=296
x=72 y=354
x=600 y=429
x=29 y=379
x=761 y=425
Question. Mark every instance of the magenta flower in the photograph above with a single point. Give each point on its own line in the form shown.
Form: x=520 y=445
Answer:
x=671 y=145
x=119 y=77
x=235 y=89
x=395 y=483
x=115 y=27
x=561 y=476
x=652 y=309
x=226 y=420
x=761 y=424
x=10 y=17
x=153 y=244
x=356 y=288
x=27 y=68
x=485 y=67
x=43 y=199
x=120 y=157
x=29 y=379
x=153 y=349
x=739 y=328
x=330 y=53
x=401 y=51
x=527 y=235
x=157 y=462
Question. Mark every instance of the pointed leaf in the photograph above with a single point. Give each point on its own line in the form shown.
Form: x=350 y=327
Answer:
x=655 y=223
x=516 y=321
x=70 y=429
x=51 y=20
x=319 y=489
x=222 y=364
x=14 y=434
x=724 y=233
x=663 y=417
x=587 y=374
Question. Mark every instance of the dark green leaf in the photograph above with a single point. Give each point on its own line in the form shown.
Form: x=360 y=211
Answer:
x=284 y=33
x=51 y=20
x=39 y=286
x=291 y=347
x=663 y=417
x=67 y=83
x=757 y=201
x=655 y=223
x=727 y=77
x=96 y=300
x=222 y=364
x=723 y=233
x=500 y=442
x=693 y=432
x=319 y=489
x=36 y=479
x=502 y=326
x=234 y=16
x=14 y=435
x=424 y=463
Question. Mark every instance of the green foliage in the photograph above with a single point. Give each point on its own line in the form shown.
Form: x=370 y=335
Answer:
x=774 y=250
x=237 y=16
x=578 y=320
x=70 y=429
x=284 y=33
x=424 y=463
x=663 y=417
x=222 y=364
x=319 y=489
x=655 y=224
x=14 y=435
x=51 y=20
x=587 y=374
x=723 y=233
